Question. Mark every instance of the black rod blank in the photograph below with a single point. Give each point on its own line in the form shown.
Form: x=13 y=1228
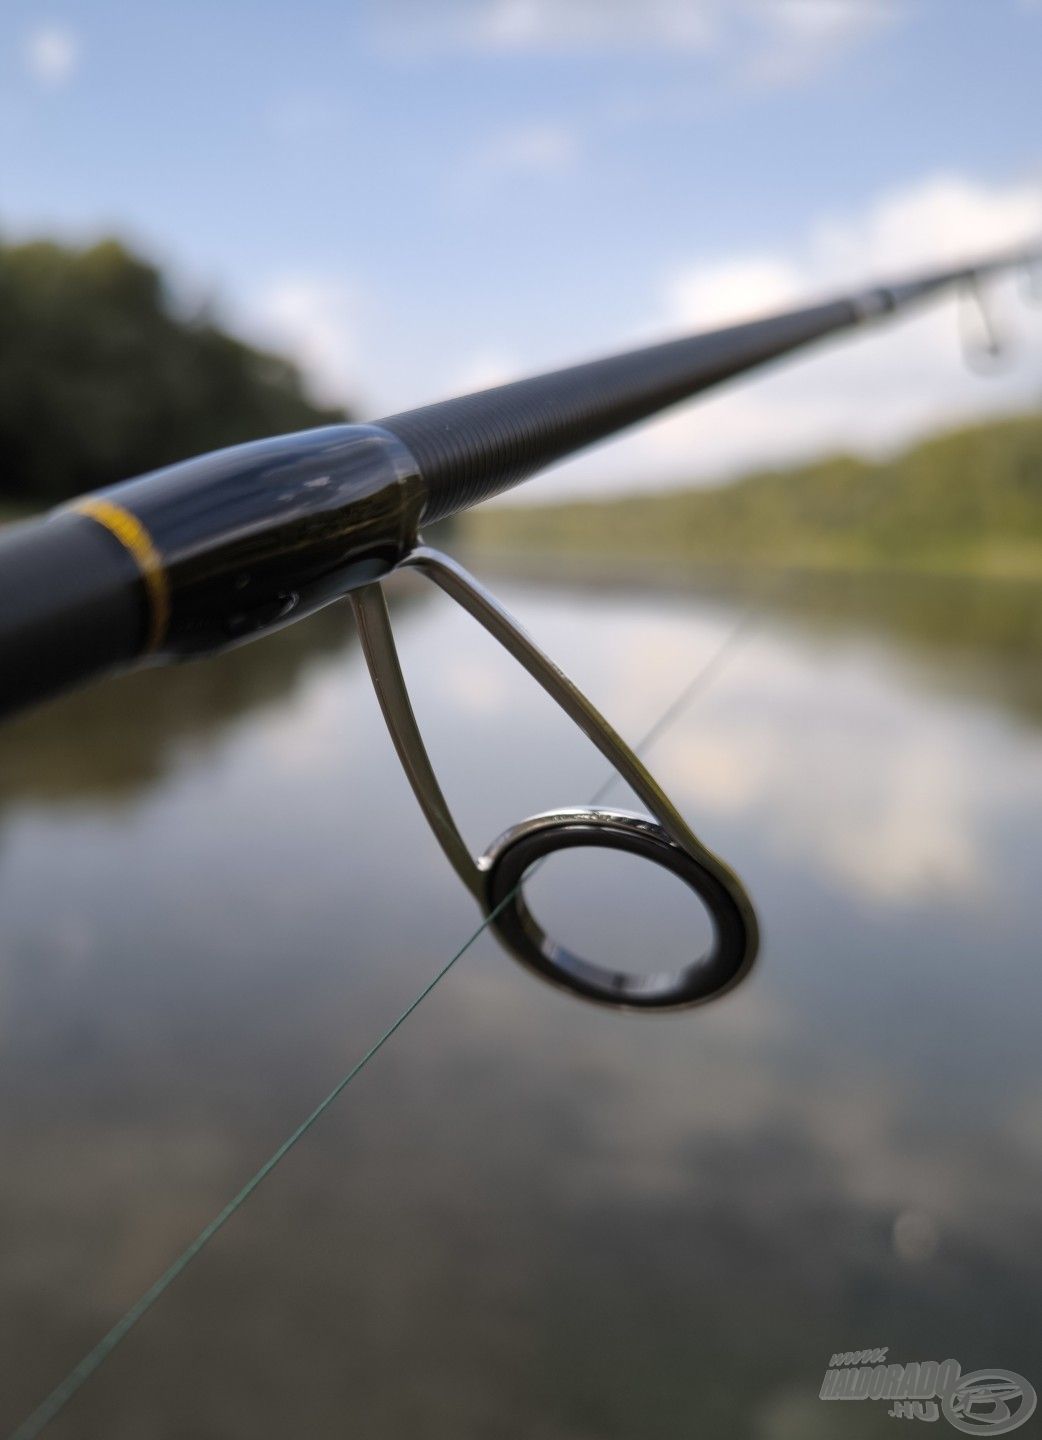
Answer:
x=234 y=544
x=469 y=448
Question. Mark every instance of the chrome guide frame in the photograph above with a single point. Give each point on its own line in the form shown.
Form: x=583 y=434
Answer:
x=496 y=878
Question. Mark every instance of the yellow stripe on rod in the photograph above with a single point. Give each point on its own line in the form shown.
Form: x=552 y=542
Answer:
x=134 y=538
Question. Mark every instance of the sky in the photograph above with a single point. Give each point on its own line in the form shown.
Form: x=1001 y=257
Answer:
x=420 y=197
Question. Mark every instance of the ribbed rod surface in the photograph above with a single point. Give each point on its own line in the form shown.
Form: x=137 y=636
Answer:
x=477 y=445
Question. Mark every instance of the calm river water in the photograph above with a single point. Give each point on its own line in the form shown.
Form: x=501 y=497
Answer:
x=528 y=1218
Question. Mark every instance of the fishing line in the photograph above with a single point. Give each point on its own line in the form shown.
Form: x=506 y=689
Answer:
x=94 y=1359
x=56 y=1401
x=699 y=683
x=336 y=504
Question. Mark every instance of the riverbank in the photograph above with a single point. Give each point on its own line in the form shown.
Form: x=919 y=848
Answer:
x=964 y=504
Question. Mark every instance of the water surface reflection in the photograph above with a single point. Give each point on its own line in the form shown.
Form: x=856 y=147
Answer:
x=528 y=1218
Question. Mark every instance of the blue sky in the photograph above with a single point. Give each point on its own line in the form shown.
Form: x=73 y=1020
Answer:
x=422 y=196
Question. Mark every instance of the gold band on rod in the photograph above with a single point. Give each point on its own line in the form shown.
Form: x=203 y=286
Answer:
x=134 y=538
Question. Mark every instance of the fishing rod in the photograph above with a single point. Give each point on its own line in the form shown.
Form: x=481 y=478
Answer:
x=232 y=545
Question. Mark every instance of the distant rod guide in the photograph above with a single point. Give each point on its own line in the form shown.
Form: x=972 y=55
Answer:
x=230 y=545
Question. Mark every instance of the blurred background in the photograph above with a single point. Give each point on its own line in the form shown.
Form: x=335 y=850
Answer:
x=529 y=1217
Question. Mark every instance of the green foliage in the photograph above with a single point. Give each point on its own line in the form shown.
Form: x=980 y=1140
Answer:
x=967 y=502
x=101 y=378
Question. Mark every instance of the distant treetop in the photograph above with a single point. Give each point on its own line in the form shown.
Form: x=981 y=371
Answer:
x=101 y=378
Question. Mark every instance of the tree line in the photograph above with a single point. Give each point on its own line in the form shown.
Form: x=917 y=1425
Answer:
x=102 y=375
x=967 y=502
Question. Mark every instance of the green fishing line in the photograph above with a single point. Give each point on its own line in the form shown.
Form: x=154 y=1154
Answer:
x=94 y=1359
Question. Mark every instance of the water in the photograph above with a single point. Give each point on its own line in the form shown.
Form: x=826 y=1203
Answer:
x=528 y=1217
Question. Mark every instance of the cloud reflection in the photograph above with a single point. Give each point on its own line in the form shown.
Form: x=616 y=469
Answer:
x=583 y=1222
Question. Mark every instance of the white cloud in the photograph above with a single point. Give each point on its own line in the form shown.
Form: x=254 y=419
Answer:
x=945 y=218
x=301 y=117
x=578 y=24
x=536 y=150
x=720 y=294
x=52 y=55
x=867 y=392
x=765 y=41
x=539 y=153
x=803 y=37
x=542 y=150
x=313 y=319
x=554 y=26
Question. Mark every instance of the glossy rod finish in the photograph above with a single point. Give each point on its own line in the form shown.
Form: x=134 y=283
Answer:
x=204 y=554
x=256 y=535
x=199 y=556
